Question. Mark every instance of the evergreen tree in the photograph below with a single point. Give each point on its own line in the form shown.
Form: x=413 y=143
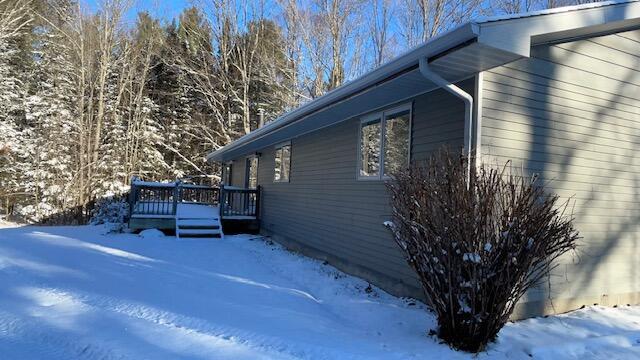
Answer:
x=87 y=102
x=271 y=89
x=50 y=113
x=15 y=27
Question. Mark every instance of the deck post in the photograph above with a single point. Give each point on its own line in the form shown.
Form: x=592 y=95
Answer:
x=257 y=210
x=221 y=196
x=132 y=196
x=176 y=195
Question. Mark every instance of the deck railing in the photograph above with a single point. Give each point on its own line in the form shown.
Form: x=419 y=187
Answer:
x=238 y=202
x=148 y=199
x=153 y=199
x=199 y=194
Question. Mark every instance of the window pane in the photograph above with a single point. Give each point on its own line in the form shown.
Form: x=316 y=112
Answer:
x=252 y=173
x=396 y=147
x=278 y=165
x=286 y=162
x=370 y=149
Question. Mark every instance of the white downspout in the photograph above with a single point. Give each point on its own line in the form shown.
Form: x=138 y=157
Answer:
x=477 y=145
x=468 y=107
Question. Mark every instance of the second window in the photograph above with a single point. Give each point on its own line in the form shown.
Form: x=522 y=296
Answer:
x=384 y=143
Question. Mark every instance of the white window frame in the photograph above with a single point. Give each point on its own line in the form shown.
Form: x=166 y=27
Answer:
x=382 y=117
x=276 y=148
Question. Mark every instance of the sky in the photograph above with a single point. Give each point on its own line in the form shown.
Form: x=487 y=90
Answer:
x=163 y=9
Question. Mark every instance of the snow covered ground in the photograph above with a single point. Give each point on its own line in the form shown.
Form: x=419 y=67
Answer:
x=74 y=293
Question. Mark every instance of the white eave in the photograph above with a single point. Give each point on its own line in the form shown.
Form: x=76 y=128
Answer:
x=456 y=55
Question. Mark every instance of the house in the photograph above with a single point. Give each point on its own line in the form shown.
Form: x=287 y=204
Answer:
x=556 y=91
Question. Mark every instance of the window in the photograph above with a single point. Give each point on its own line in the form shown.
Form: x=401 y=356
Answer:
x=370 y=142
x=282 y=163
x=251 y=176
x=226 y=173
x=384 y=143
x=396 y=141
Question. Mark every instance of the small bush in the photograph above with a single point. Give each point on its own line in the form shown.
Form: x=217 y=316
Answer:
x=112 y=211
x=477 y=245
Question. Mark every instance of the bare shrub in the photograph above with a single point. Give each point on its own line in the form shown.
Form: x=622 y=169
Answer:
x=477 y=245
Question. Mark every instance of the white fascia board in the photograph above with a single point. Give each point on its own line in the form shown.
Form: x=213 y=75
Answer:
x=434 y=46
x=514 y=34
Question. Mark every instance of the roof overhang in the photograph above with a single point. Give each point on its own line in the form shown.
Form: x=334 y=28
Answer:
x=455 y=55
x=517 y=33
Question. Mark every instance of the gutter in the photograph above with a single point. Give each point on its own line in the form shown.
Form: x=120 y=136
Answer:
x=432 y=47
x=511 y=34
x=426 y=71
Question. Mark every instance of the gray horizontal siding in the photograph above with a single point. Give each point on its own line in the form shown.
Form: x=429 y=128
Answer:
x=325 y=208
x=571 y=113
x=438 y=122
x=238 y=172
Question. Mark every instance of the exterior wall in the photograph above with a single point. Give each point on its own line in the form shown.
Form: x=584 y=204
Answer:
x=238 y=172
x=572 y=114
x=324 y=212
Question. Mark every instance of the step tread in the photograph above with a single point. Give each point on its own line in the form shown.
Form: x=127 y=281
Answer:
x=182 y=232
x=197 y=222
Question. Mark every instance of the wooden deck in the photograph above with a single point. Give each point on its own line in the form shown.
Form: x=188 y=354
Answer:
x=177 y=206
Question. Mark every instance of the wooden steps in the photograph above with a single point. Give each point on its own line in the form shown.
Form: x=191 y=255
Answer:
x=194 y=227
x=198 y=222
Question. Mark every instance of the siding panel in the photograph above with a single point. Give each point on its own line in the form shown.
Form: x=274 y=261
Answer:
x=324 y=206
x=571 y=113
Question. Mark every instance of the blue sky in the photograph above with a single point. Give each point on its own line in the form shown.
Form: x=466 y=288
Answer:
x=163 y=9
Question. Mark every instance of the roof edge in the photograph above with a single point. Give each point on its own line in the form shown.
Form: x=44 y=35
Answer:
x=434 y=46
x=511 y=33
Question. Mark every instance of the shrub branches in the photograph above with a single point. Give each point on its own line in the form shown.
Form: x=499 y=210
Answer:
x=477 y=245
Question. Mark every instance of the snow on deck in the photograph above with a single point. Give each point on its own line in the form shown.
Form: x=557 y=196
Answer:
x=196 y=211
x=72 y=293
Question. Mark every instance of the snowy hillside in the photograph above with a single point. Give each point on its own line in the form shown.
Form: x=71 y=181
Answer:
x=72 y=293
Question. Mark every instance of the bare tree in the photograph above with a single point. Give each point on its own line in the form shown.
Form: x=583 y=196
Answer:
x=143 y=51
x=230 y=19
x=107 y=26
x=332 y=41
x=339 y=16
x=194 y=58
x=518 y=6
x=14 y=17
x=409 y=23
x=514 y=6
x=292 y=26
x=104 y=95
x=424 y=19
x=382 y=14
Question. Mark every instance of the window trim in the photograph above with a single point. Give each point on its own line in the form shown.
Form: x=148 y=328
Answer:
x=382 y=116
x=276 y=148
x=247 y=170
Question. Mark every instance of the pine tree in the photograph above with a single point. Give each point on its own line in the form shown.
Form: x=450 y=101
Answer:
x=271 y=90
x=188 y=95
x=50 y=117
x=15 y=25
